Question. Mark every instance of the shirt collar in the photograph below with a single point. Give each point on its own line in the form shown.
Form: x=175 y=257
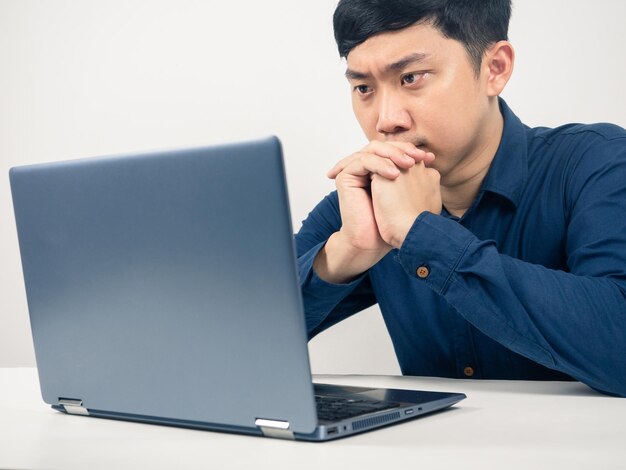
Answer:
x=509 y=168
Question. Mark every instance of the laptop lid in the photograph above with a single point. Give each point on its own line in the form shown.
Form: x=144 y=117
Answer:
x=159 y=285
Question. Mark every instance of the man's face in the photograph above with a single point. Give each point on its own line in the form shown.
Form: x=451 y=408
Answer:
x=418 y=86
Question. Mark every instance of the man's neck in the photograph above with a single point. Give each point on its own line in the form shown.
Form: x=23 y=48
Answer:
x=460 y=187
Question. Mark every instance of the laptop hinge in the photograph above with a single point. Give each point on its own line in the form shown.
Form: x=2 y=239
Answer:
x=73 y=406
x=274 y=428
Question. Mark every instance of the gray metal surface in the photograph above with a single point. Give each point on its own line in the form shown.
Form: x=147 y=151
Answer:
x=165 y=285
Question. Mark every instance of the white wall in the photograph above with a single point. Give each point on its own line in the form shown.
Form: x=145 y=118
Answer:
x=92 y=77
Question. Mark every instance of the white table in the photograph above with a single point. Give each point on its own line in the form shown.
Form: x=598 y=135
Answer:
x=501 y=425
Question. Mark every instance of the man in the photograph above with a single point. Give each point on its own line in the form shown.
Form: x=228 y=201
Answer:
x=494 y=250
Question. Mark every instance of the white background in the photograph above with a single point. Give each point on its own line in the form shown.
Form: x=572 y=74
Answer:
x=93 y=77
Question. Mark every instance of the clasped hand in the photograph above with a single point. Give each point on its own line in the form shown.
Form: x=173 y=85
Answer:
x=382 y=189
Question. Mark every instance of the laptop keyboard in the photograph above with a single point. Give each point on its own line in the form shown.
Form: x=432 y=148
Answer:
x=334 y=408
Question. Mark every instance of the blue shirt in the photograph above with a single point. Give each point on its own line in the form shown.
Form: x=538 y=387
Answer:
x=529 y=284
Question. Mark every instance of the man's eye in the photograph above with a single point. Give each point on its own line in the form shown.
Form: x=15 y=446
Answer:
x=411 y=78
x=362 y=89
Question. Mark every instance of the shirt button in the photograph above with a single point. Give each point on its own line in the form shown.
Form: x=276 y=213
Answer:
x=468 y=371
x=423 y=272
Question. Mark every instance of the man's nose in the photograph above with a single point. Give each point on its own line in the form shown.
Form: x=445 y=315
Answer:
x=393 y=116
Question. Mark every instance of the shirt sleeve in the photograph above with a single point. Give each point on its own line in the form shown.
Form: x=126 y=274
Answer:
x=326 y=304
x=573 y=321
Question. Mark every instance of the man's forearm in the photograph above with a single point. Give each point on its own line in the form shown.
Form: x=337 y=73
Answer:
x=339 y=263
x=565 y=321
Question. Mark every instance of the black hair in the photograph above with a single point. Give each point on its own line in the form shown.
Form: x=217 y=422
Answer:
x=477 y=24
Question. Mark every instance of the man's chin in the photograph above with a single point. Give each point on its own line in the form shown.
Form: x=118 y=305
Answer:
x=436 y=165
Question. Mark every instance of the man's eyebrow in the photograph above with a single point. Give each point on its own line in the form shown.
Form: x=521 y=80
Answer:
x=393 y=67
x=405 y=61
x=354 y=75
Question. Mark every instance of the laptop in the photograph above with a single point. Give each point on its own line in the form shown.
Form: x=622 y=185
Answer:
x=162 y=288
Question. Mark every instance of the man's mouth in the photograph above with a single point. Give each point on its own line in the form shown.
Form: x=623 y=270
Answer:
x=422 y=146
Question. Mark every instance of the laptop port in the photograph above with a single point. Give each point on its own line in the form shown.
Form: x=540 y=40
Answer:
x=332 y=430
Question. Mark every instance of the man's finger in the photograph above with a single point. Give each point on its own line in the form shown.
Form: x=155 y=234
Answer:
x=371 y=164
x=403 y=154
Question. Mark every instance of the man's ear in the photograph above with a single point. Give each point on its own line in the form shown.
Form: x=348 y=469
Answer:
x=498 y=66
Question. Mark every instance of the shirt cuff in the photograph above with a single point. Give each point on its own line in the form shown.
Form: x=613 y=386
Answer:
x=432 y=250
x=319 y=296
